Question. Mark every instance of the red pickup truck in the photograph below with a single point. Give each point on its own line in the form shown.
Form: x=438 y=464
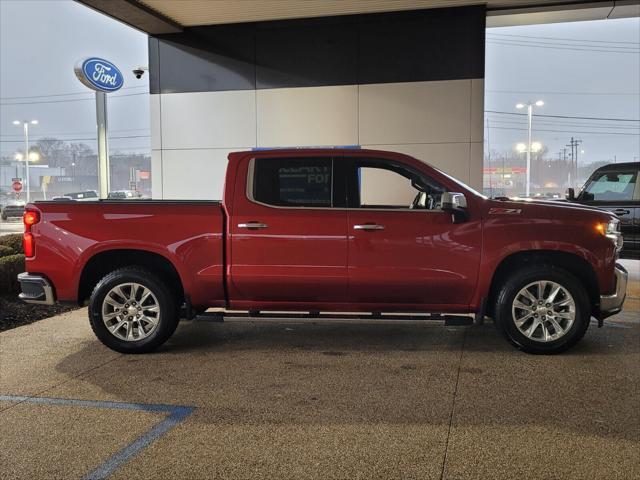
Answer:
x=322 y=231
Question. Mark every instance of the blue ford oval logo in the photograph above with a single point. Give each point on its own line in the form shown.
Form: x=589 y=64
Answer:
x=99 y=74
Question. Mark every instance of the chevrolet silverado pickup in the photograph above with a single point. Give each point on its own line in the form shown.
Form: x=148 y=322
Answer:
x=323 y=231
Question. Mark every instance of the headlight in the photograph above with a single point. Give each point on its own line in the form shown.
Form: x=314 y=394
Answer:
x=611 y=230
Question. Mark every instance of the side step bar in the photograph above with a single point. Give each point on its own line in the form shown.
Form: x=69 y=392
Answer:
x=449 y=320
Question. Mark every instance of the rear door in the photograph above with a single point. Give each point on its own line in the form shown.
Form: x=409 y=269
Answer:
x=618 y=192
x=288 y=234
x=404 y=251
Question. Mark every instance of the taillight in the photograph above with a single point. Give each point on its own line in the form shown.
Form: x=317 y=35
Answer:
x=30 y=218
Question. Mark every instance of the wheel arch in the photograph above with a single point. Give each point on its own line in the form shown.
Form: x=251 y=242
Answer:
x=573 y=263
x=107 y=261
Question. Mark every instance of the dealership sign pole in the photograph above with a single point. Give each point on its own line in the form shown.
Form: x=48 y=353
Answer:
x=104 y=77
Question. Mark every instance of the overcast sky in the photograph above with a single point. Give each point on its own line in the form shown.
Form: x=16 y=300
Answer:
x=582 y=69
x=40 y=42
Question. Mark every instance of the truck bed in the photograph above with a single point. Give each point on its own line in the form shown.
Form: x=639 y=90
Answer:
x=187 y=234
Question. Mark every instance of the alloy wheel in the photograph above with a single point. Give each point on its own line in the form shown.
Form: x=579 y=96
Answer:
x=130 y=311
x=543 y=311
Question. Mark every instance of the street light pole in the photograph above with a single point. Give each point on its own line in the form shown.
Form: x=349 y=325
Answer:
x=25 y=124
x=26 y=160
x=529 y=106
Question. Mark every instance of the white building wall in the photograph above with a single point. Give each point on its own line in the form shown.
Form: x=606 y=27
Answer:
x=439 y=122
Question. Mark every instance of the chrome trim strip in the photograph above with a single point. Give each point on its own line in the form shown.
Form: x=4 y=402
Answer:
x=368 y=226
x=49 y=299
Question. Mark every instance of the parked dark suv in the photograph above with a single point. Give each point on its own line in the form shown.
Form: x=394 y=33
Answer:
x=614 y=187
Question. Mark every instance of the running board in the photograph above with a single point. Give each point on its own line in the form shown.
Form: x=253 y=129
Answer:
x=449 y=320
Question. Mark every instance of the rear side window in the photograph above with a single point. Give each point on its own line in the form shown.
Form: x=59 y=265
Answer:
x=611 y=186
x=293 y=182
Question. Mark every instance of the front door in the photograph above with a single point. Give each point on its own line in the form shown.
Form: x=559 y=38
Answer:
x=288 y=235
x=405 y=253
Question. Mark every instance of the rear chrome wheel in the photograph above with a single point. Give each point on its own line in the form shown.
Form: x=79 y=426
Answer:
x=133 y=310
x=130 y=311
x=543 y=311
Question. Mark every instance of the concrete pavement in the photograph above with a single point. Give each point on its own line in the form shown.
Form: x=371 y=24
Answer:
x=324 y=399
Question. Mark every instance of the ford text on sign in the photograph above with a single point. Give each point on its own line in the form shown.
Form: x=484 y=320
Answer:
x=99 y=74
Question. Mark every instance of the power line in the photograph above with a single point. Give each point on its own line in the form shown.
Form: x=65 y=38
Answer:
x=518 y=92
x=572 y=131
x=65 y=94
x=41 y=136
x=71 y=99
x=565 y=124
x=562 y=39
x=559 y=44
x=566 y=116
x=84 y=139
x=530 y=45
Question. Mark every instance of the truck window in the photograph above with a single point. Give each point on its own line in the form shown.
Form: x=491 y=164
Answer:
x=611 y=186
x=392 y=186
x=293 y=182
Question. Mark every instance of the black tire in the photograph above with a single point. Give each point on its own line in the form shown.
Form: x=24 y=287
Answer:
x=168 y=318
x=512 y=285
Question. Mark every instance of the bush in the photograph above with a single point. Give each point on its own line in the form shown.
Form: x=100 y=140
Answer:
x=10 y=267
x=13 y=241
x=6 y=251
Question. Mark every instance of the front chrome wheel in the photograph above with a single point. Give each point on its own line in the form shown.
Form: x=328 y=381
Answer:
x=130 y=311
x=543 y=311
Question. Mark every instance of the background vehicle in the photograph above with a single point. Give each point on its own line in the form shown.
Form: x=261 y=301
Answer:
x=14 y=208
x=615 y=188
x=124 y=195
x=325 y=230
x=85 y=196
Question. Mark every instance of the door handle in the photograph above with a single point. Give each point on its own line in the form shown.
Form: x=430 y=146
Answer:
x=253 y=225
x=621 y=211
x=368 y=226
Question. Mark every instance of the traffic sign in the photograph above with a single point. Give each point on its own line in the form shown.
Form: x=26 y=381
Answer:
x=17 y=186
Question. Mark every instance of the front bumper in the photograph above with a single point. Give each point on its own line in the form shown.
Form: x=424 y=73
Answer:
x=35 y=289
x=612 y=304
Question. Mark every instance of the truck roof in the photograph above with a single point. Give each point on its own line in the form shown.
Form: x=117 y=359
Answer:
x=620 y=166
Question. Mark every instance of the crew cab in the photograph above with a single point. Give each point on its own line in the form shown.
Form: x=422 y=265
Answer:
x=318 y=231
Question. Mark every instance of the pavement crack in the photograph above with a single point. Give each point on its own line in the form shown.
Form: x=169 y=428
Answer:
x=453 y=404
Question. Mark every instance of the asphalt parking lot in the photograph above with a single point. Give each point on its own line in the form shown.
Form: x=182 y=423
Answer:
x=326 y=399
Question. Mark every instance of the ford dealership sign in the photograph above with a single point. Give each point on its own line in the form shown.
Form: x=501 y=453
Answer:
x=99 y=74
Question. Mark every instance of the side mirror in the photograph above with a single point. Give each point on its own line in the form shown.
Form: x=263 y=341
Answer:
x=455 y=204
x=570 y=194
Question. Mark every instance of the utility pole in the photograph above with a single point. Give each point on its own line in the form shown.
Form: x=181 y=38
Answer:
x=574 y=158
x=563 y=151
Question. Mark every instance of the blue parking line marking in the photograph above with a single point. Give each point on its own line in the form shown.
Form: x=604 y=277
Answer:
x=177 y=414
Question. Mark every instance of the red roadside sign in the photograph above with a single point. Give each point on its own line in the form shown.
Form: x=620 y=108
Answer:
x=17 y=186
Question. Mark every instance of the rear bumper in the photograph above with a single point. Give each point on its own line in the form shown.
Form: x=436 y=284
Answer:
x=612 y=304
x=35 y=289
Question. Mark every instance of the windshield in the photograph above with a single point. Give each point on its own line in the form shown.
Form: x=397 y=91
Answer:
x=610 y=186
